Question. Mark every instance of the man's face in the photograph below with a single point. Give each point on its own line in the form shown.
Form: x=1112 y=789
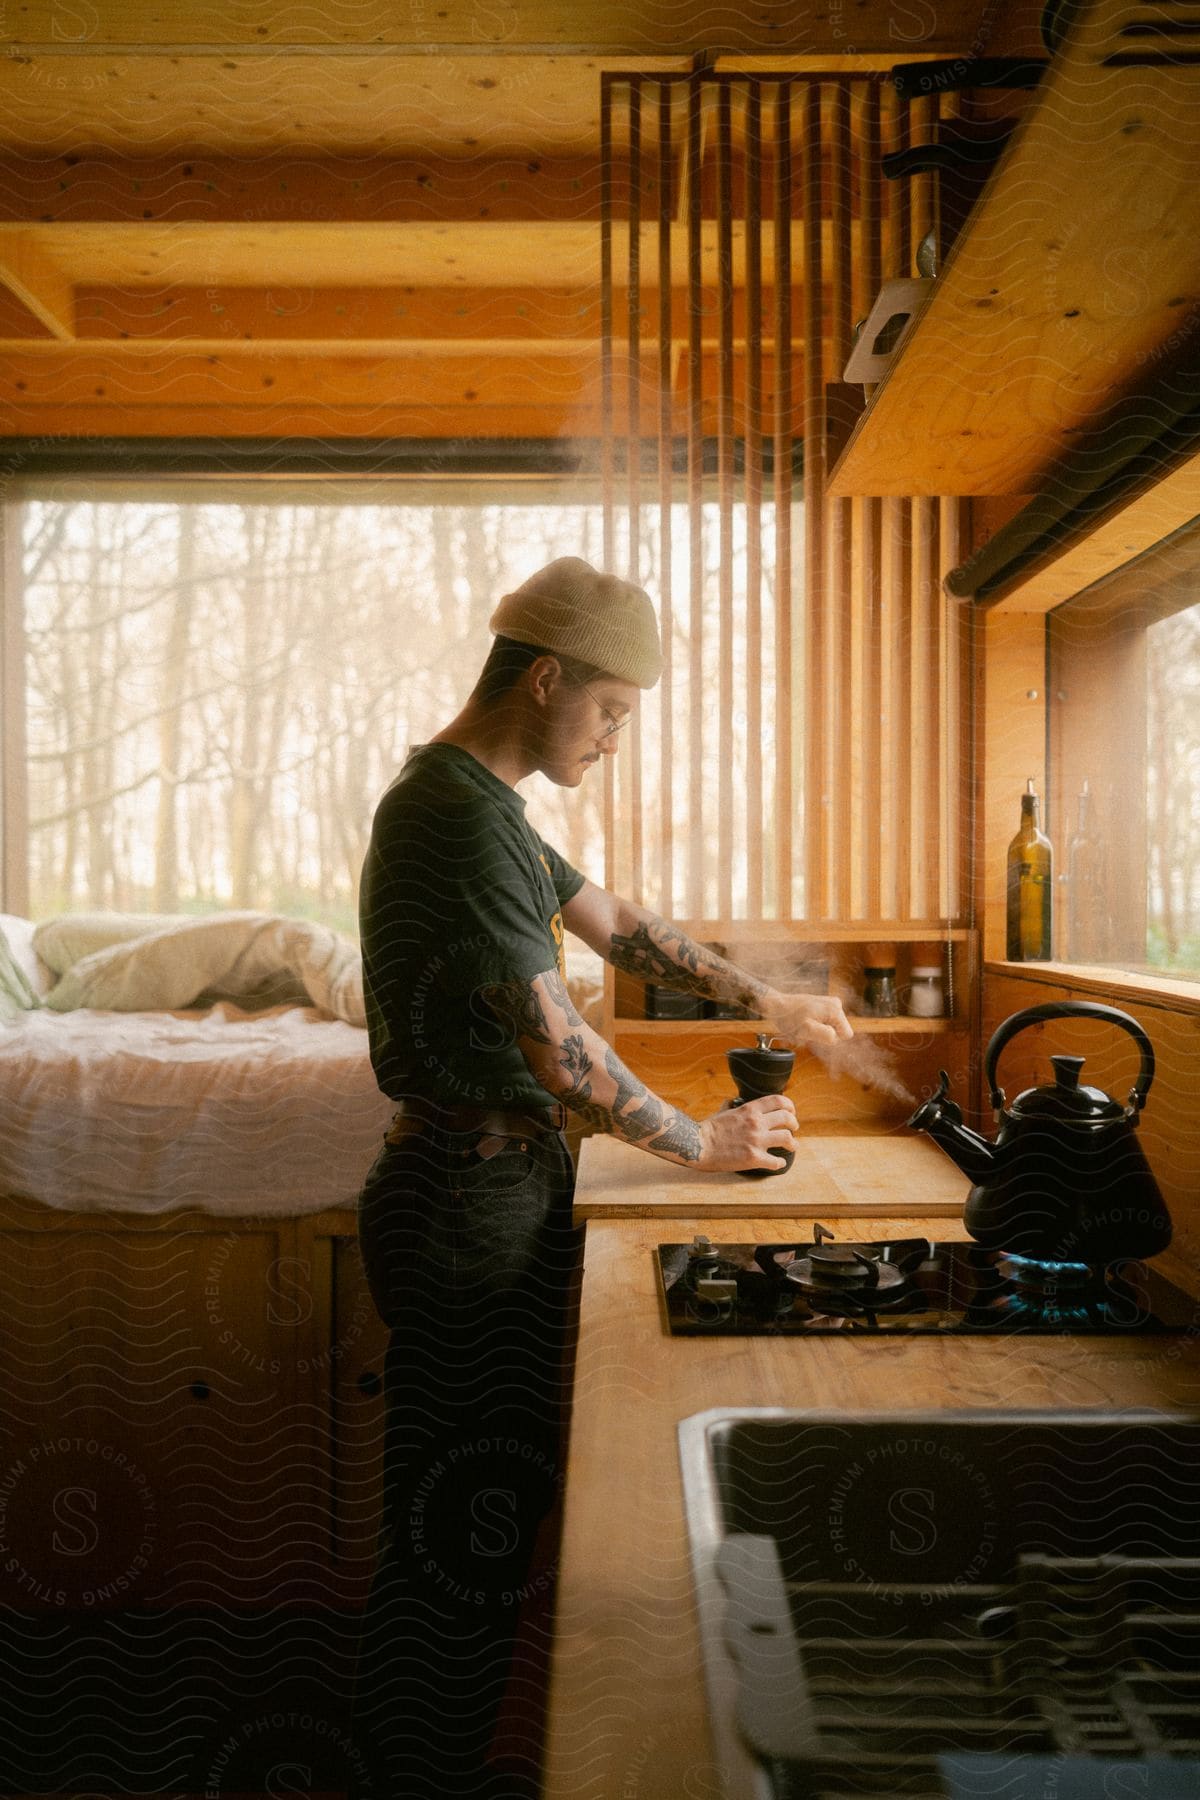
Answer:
x=584 y=723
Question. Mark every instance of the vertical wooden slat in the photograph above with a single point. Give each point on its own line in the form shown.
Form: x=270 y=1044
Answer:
x=949 y=697
x=901 y=588
x=786 y=634
x=840 y=636
x=923 y=724
x=632 y=767
x=726 y=836
x=891 y=634
x=923 y=672
x=695 y=434
x=816 y=700
x=606 y=409
x=872 y=827
x=755 y=672
x=666 y=712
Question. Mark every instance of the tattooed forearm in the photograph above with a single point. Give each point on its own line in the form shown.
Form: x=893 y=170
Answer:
x=517 y=1004
x=658 y=951
x=572 y=1062
x=557 y=990
x=578 y=1064
x=671 y=1132
x=649 y=1114
x=681 y=1139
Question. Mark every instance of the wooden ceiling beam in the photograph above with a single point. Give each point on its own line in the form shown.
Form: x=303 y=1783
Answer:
x=307 y=417
x=635 y=27
x=336 y=319
x=277 y=188
x=283 y=188
x=52 y=376
x=302 y=418
x=38 y=282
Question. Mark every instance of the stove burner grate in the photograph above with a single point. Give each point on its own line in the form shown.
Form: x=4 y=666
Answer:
x=910 y=1285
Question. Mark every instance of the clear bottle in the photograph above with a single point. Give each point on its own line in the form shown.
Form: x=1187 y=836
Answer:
x=1087 y=922
x=1030 y=887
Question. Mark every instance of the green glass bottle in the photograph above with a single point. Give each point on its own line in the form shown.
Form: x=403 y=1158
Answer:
x=1030 y=887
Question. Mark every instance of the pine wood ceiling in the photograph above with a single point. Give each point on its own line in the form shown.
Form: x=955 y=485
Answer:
x=351 y=220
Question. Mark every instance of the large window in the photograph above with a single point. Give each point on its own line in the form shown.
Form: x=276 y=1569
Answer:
x=220 y=681
x=1125 y=756
x=219 y=687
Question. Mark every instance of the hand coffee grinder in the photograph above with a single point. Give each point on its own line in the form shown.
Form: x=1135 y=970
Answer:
x=758 y=1072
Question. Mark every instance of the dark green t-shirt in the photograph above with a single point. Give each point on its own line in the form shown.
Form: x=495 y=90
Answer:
x=458 y=890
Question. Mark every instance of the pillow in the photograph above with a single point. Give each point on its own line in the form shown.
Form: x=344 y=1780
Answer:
x=66 y=940
x=18 y=935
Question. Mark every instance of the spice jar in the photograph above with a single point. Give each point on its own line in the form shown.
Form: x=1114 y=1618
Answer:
x=925 y=997
x=879 y=983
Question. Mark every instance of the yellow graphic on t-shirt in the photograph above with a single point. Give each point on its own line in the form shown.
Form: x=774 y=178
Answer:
x=556 y=924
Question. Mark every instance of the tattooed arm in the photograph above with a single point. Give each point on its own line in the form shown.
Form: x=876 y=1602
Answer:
x=575 y=1065
x=643 y=944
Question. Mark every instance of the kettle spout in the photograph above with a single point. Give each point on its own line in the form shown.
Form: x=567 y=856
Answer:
x=942 y=1119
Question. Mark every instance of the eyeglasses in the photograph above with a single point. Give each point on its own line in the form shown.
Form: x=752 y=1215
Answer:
x=614 y=724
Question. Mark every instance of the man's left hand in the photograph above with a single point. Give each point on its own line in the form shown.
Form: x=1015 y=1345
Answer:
x=811 y=1021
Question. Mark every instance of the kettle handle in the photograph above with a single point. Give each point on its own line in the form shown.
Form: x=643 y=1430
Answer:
x=1071 y=1009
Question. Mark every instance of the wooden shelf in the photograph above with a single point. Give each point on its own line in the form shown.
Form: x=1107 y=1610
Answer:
x=828 y=931
x=901 y=1027
x=1070 y=277
x=1146 y=987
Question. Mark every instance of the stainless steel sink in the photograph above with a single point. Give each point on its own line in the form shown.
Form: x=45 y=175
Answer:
x=879 y=1593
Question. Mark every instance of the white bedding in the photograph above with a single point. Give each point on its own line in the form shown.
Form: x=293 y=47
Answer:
x=229 y=1111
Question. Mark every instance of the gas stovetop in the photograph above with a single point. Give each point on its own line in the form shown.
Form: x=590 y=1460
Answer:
x=906 y=1284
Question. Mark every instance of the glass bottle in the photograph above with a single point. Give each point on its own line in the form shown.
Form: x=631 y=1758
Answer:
x=1030 y=886
x=1086 y=888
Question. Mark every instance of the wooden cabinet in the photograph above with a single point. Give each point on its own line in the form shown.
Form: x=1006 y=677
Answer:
x=193 y=1411
x=1071 y=279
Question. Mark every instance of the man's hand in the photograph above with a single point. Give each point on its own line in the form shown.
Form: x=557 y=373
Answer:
x=742 y=1137
x=812 y=1021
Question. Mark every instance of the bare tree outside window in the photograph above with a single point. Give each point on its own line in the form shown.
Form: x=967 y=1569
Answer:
x=218 y=692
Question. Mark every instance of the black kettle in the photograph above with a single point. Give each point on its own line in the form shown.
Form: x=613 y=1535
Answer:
x=1066 y=1179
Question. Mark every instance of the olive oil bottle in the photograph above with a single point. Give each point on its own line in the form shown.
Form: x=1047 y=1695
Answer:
x=1030 y=887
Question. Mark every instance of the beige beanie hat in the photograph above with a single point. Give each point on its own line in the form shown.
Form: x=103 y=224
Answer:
x=570 y=607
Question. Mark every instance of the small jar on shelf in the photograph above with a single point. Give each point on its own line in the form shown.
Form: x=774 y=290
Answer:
x=879 y=982
x=925 y=994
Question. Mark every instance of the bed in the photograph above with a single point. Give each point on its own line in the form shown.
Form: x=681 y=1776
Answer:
x=259 y=1104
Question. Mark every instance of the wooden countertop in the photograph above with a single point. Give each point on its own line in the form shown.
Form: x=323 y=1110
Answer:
x=627 y=1706
x=862 y=1173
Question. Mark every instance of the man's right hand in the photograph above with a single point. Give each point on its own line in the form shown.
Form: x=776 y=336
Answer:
x=742 y=1137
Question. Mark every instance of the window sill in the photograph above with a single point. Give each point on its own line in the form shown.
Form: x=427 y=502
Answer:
x=1112 y=984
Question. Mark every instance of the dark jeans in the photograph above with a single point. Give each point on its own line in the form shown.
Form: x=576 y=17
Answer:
x=473 y=1263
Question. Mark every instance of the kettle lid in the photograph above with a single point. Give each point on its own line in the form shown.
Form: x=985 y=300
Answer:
x=1067 y=1098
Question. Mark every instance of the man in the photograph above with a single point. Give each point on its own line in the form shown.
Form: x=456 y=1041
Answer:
x=465 y=1216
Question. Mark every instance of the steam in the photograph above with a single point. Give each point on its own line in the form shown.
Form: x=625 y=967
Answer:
x=804 y=969
x=864 y=1061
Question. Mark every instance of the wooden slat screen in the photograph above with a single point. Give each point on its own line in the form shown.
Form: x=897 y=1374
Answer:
x=802 y=759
